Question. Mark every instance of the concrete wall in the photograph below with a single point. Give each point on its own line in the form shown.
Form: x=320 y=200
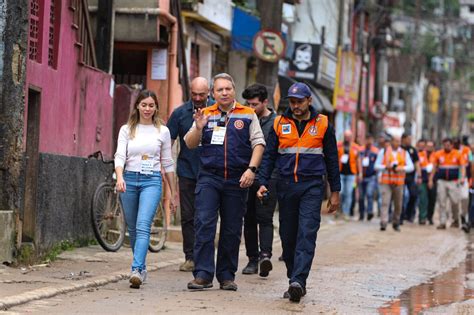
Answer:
x=76 y=107
x=66 y=186
x=311 y=16
x=13 y=33
x=218 y=12
x=238 y=70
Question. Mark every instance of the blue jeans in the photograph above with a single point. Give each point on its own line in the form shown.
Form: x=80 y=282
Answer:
x=367 y=189
x=347 y=185
x=139 y=202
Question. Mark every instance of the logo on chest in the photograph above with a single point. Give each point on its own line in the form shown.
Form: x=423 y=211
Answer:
x=286 y=129
x=239 y=124
x=313 y=130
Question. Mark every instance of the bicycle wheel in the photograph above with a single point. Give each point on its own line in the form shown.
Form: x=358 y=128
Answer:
x=108 y=221
x=159 y=229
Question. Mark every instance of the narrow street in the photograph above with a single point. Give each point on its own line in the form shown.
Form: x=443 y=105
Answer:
x=357 y=270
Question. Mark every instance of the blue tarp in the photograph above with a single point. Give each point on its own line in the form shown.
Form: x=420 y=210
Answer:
x=244 y=28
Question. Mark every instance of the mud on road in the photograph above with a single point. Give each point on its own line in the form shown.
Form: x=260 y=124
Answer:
x=357 y=269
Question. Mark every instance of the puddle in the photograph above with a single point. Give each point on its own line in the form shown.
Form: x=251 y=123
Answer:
x=456 y=285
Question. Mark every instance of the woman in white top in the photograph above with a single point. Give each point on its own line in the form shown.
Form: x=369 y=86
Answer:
x=143 y=149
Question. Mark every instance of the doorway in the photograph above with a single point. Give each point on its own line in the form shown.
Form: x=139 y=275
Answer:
x=32 y=165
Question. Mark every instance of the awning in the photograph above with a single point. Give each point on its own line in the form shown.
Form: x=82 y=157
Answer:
x=244 y=28
x=322 y=99
x=285 y=82
x=208 y=35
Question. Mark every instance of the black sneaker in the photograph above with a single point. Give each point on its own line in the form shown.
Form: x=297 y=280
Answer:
x=396 y=227
x=265 y=266
x=295 y=292
x=466 y=228
x=228 y=285
x=251 y=268
x=286 y=295
x=370 y=216
x=383 y=226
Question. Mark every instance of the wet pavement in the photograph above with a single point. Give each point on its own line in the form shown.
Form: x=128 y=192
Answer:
x=357 y=269
x=454 y=286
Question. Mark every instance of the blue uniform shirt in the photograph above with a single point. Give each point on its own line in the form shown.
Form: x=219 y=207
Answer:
x=369 y=170
x=179 y=123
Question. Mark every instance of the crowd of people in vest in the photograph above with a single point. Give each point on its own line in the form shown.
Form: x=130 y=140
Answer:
x=237 y=163
x=408 y=184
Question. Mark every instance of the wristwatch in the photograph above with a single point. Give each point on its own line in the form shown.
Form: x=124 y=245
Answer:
x=253 y=169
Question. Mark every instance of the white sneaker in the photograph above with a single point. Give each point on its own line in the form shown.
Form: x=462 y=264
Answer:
x=136 y=279
x=144 y=274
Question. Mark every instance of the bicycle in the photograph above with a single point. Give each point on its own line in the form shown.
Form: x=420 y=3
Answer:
x=108 y=220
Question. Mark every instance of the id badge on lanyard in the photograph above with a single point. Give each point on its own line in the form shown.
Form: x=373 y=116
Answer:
x=146 y=165
x=344 y=158
x=218 y=135
x=365 y=161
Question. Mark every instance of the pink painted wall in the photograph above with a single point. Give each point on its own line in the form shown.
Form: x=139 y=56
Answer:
x=76 y=107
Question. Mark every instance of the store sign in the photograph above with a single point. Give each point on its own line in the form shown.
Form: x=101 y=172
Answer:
x=304 y=64
x=346 y=90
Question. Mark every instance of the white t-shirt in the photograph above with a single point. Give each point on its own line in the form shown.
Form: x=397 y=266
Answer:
x=148 y=140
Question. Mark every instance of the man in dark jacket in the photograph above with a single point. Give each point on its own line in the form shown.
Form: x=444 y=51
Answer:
x=258 y=221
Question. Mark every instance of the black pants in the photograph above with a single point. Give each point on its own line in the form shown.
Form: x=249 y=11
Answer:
x=187 y=187
x=410 y=211
x=431 y=202
x=260 y=215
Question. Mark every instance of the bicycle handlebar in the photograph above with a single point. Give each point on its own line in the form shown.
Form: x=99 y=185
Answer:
x=98 y=155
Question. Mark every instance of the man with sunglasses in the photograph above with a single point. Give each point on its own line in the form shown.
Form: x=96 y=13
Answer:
x=302 y=146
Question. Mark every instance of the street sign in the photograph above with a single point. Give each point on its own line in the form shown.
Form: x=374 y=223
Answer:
x=269 y=45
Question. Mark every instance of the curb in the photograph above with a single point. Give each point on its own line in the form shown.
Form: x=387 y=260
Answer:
x=48 y=292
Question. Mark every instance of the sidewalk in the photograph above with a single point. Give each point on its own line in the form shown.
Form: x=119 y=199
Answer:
x=78 y=269
x=89 y=267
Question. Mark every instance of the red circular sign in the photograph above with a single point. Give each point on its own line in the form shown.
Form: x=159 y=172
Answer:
x=269 y=45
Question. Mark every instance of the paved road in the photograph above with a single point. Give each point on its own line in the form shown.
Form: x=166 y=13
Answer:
x=357 y=270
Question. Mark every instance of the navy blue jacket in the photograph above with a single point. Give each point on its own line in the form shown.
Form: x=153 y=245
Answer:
x=329 y=150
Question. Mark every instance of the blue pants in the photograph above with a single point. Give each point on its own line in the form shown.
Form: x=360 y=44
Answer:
x=214 y=196
x=347 y=187
x=300 y=217
x=367 y=189
x=139 y=202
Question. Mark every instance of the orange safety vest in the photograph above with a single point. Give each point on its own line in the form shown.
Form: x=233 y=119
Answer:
x=353 y=156
x=423 y=157
x=300 y=156
x=448 y=164
x=388 y=176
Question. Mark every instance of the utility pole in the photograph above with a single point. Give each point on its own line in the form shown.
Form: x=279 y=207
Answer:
x=416 y=70
x=340 y=25
x=270 y=19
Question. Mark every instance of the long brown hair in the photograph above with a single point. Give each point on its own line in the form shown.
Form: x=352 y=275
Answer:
x=134 y=118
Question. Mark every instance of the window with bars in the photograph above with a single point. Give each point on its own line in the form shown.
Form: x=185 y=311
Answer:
x=85 y=39
x=35 y=35
x=53 y=37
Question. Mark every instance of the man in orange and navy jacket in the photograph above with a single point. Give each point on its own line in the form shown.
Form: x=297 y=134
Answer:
x=302 y=145
x=449 y=168
x=349 y=167
x=232 y=144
